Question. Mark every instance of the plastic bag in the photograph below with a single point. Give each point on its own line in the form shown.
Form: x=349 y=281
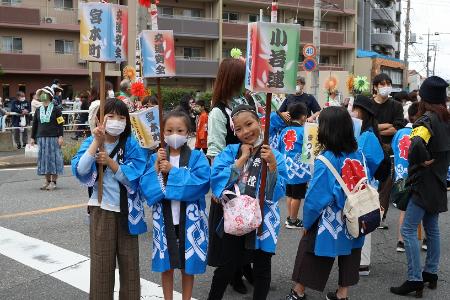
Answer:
x=31 y=151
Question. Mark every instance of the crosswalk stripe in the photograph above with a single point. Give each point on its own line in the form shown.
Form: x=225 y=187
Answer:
x=67 y=266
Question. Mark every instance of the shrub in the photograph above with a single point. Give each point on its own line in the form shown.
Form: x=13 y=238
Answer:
x=171 y=96
x=69 y=149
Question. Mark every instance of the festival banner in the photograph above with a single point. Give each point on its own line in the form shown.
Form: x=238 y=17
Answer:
x=103 y=32
x=145 y=126
x=311 y=147
x=158 y=53
x=272 y=57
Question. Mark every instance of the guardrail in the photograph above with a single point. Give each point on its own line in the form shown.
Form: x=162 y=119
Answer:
x=69 y=113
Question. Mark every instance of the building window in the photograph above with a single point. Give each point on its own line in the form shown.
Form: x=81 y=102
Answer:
x=5 y=91
x=255 y=18
x=11 y=2
x=189 y=52
x=231 y=17
x=165 y=11
x=11 y=44
x=63 y=47
x=64 y=4
x=192 y=12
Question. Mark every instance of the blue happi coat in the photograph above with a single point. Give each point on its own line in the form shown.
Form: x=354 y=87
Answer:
x=325 y=201
x=189 y=184
x=290 y=144
x=277 y=124
x=132 y=166
x=370 y=146
x=221 y=173
x=400 y=147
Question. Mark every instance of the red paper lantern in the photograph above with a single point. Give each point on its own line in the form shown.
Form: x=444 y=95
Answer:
x=145 y=3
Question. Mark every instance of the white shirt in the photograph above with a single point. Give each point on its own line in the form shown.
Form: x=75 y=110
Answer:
x=175 y=205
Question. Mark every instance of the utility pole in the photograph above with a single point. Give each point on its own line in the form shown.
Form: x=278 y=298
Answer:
x=407 y=29
x=316 y=42
x=434 y=59
x=428 y=53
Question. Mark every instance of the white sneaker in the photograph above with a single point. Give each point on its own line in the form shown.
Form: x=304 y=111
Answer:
x=45 y=185
x=51 y=186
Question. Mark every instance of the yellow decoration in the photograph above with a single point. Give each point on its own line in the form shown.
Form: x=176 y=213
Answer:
x=421 y=132
x=60 y=120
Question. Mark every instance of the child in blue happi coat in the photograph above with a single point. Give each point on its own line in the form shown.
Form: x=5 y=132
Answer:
x=370 y=146
x=241 y=164
x=116 y=221
x=400 y=147
x=290 y=144
x=175 y=186
x=326 y=235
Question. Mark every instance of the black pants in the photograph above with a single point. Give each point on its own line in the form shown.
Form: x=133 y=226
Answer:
x=233 y=252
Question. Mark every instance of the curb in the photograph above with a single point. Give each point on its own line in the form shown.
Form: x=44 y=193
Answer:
x=18 y=165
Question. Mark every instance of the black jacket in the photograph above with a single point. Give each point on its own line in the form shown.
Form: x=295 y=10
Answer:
x=428 y=184
x=54 y=128
x=18 y=106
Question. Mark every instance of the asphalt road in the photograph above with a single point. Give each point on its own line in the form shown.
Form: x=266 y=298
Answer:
x=67 y=228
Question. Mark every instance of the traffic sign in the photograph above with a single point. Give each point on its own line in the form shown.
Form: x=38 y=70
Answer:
x=309 y=64
x=309 y=50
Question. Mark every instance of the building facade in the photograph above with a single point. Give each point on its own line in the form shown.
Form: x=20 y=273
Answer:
x=39 y=38
x=379 y=26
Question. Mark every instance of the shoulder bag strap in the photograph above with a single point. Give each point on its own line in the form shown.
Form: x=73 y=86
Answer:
x=335 y=173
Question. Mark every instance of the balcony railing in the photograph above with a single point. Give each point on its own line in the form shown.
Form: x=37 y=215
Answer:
x=190 y=26
x=340 y=6
x=33 y=14
x=20 y=62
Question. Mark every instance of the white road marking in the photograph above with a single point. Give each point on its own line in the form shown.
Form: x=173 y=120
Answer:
x=62 y=264
x=25 y=168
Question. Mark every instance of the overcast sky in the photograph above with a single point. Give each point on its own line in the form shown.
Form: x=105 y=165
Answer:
x=433 y=15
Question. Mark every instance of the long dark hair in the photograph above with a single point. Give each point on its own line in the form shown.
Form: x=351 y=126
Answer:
x=229 y=80
x=336 y=131
x=439 y=109
x=117 y=106
x=369 y=121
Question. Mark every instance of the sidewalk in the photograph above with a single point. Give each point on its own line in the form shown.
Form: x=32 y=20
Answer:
x=16 y=159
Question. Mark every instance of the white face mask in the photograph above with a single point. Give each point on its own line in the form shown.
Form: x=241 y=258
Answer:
x=385 y=91
x=175 y=140
x=22 y=98
x=259 y=141
x=298 y=89
x=111 y=94
x=115 y=127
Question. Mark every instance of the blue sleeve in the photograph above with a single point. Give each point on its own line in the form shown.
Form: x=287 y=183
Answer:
x=85 y=164
x=135 y=160
x=371 y=148
x=276 y=123
x=319 y=195
x=89 y=175
x=222 y=170
x=189 y=184
x=275 y=186
x=120 y=176
x=151 y=184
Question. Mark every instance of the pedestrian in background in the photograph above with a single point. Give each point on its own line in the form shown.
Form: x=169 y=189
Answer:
x=35 y=103
x=428 y=158
x=47 y=133
x=22 y=107
x=186 y=105
x=201 y=141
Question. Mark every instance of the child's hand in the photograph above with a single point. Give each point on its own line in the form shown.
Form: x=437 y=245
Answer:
x=165 y=166
x=162 y=155
x=60 y=141
x=246 y=151
x=99 y=132
x=102 y=158
x=269 y=157
x=286 y=116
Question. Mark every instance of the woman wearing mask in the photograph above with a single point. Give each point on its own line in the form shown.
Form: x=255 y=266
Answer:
x=389 y=115
x=428 y=158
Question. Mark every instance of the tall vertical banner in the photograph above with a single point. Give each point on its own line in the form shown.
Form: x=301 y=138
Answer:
x=103 y=32
x=157 y=53
x=272 y=57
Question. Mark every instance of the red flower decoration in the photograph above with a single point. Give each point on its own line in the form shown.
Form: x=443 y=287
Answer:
x=352 y=172
x=403 y=146
x=289 y=139
x=138 y=89
x=145 y=3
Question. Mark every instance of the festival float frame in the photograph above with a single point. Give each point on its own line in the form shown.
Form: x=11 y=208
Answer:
x=103 y=39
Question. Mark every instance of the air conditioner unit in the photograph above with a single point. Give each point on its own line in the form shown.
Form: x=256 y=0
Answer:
x=50 y=20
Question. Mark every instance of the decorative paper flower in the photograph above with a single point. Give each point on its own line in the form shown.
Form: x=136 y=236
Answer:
x=350 y=83
x=129 y=73
x=138 y=89
x=331 y=84
x=145 y=3
x=148 y=91
x=361 y=84
x=236 y=53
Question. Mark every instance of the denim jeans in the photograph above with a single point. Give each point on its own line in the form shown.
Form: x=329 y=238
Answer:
x=413 y=216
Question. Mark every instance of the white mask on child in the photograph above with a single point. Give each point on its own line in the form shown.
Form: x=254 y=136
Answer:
x=111 y=94
x=115 y=127
x=259 y=141
x=175 y=140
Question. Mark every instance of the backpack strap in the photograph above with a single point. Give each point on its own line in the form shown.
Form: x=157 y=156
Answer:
x=335 y=173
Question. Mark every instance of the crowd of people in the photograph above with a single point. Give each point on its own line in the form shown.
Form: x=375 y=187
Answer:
x=228 y=158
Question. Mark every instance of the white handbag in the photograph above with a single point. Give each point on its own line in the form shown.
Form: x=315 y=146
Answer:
x=362 y=211
x=23 y=121
x=31 y=151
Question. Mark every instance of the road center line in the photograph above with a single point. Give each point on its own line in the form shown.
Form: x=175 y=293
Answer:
x=67 y=266
x=41 y=211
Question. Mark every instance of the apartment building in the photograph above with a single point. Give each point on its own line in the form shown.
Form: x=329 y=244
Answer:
x=39 y=38
x=379 y=26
